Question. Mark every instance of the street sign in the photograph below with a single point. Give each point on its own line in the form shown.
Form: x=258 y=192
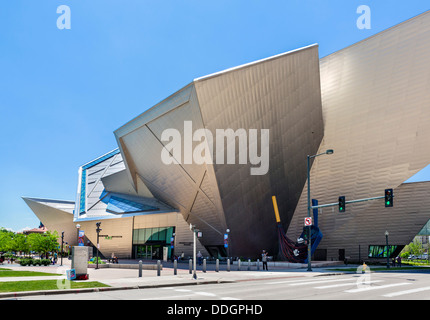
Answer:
x=308 y=221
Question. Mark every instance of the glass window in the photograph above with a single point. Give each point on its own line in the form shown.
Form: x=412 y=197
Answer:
x=135 y=236
x=162 y=234
x=141 y=236
x=380 y=251
x=154 y=236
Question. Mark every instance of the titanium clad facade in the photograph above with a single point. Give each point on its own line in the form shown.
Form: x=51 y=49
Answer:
x=376 y=110
x=55 y=215
x=281 y=94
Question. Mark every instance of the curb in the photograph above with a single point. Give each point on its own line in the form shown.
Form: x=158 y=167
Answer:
x=87 y=290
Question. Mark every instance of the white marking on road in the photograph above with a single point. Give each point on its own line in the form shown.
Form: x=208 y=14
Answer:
x=319 y=281
x=297 y=280
x=400 y=293
x=168 y=297
x=229 y=298
x=182 y=290
x=376 y=287
x=205 y=294
x=347 y=284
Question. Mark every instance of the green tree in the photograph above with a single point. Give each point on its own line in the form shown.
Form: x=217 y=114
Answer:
x=43 y=243
x=6 y=238
x=20 y=243
x=413 y=248
x=416 y=247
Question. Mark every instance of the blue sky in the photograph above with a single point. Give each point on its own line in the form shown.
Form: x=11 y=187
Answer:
x=64 y=92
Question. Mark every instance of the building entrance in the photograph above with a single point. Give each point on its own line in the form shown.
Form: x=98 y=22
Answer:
x=148 y=252
x=149 y=243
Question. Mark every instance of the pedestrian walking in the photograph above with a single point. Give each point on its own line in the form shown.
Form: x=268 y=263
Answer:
x=264 y=259
x=200 y=258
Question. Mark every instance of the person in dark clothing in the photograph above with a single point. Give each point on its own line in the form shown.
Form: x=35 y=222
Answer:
x=264 y=259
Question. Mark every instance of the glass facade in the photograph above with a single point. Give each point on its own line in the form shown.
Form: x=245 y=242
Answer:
x=149 y=243
x=84 y=177
x=120 y=205
x=378 y=251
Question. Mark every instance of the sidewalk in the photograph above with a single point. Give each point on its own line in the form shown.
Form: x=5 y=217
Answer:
x=126 y=276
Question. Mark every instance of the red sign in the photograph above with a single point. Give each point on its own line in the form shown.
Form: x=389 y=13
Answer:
x=308 y=221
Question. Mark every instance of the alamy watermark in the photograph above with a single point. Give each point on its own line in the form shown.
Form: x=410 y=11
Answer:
x=253 y=147
x=363 y=21
x=64 y=21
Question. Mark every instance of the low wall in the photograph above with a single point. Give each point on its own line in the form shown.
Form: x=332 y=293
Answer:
x=125 y=266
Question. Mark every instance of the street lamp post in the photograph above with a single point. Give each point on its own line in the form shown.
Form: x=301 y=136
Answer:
x=228 y=242
x=388 y=250
x=193 y=229
x=62 y=244
x=98 y=234
x=329 y=151
x=78 y=226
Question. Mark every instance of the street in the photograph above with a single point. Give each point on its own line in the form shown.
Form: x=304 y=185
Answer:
x=372 y=286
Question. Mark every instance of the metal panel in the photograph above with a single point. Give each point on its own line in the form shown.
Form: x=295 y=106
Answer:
x=376 y=109
x=177 y=184
x=281 y=94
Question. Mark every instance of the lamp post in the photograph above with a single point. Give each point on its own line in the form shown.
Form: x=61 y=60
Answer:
x=193 y=229
x=62 y=244
x=98 y=234
x=78 y=226
x=329 y=151
x=228 y=242
x=388 y=251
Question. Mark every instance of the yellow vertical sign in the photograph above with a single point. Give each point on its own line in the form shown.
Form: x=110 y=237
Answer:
x=275 y=205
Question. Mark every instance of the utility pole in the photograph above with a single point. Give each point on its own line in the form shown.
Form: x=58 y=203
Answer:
x=98 y=234
x=193 y=229
x=62 y=243
x=329 y=151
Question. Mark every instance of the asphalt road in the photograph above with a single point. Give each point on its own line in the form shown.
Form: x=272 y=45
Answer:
x=373 y=286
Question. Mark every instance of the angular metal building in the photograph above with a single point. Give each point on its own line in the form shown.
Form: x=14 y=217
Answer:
x=376 y=110
x=370 y=102
x=281 y=93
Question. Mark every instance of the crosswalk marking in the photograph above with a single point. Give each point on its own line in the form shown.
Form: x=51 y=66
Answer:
x=208 y=294
x=319 y=281
x=292 y=281
x=376 y=287
x=346 y=284
x=400 y=293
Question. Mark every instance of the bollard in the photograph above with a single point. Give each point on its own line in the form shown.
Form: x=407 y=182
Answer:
x=175 y=267
x=249 y=264
x=204 y=265
x=238 y=265
x=191 y=266
x=258 y=264
x=140 y=268
x=217 y=265
x=158 y=268
x=228 y=265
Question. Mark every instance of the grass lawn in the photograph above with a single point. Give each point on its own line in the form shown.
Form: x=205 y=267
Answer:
x=13 y=273
x=17 y=286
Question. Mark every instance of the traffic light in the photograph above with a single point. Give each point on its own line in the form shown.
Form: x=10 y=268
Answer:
x=342 y=204
x=388 y=197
